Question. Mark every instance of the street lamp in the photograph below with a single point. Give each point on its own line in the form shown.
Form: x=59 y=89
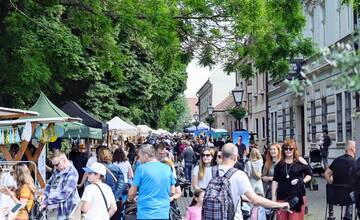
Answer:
x=210 y=112
x=238 y=94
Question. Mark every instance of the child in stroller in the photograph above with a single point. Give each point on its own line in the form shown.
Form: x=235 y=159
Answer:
x=184 y=184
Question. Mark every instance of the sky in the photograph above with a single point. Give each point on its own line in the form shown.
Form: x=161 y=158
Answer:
x=197 y=76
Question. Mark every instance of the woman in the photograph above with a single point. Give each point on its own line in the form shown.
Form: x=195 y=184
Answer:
x=253 y=170
x=24 y=194
x=132 y=152
x=273 y=156
x=114 y=178
x=98 y=198
x=290 y=176
x=120 y=160
x=202 y=173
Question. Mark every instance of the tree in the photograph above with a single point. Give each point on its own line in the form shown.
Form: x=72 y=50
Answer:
x=129 y=58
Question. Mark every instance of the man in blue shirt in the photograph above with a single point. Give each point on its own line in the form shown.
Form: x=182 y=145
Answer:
x=155 y=183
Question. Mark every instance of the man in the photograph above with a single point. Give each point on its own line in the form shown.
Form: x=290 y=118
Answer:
x=98 y=198
x=155 y=181
x=338 y=172
x=240 y=184
x=325 y=148
x=61 y=195
x=189 y=159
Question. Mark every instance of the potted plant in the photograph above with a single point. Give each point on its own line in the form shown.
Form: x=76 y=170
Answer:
x=237 y=112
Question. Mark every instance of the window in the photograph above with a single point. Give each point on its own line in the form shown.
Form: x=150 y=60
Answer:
x=340 y=136
x=313 y=125
x=263 y=127
x=275 y=128
x=249 y=103
x=348 y=126
x=249 y=82
x=324 y=114
x=291 y=122
x=247 y=123
x=257 y=127
x=357 y=102
x=284 y=123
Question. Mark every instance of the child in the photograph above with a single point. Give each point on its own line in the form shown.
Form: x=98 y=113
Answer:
x=194 y=210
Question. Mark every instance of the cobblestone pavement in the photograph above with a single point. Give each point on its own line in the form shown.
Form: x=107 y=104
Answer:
x=316 y=200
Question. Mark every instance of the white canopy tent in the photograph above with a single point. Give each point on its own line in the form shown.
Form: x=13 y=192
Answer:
x=118 y=124
x=163 y=132
x=144 y=130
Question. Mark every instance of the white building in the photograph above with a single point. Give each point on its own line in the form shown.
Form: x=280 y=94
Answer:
x=323 y=107
x=214 y=90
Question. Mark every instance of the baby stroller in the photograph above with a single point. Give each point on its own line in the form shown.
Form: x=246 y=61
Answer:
x=183 y=183
x=315 y=162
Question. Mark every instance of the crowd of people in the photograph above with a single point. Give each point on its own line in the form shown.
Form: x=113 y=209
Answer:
x=144 y=180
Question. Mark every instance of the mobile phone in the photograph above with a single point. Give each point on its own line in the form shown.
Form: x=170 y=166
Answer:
x=16 y=208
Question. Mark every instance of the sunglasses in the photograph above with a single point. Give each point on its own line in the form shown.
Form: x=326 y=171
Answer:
x=206 y=155
x=288 y=148
x=219 y=156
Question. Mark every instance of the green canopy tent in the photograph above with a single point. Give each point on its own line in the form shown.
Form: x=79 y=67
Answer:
x=47 y=109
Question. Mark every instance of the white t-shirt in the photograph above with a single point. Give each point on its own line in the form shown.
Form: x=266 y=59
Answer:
x=98 y=209
x=239 y=181
x=124 y=166
x=207 y=177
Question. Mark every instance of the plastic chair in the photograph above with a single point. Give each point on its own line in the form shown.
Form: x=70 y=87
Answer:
x=338 y=195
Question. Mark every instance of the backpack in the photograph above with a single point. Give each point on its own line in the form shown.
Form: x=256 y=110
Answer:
x=115 y=179
x=218 y=203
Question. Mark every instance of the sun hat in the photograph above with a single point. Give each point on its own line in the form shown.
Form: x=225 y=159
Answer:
x=96 y=168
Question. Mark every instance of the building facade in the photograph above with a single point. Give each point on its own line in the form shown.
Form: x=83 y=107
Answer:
x=323 y=106
x=222 y=117
x=214 y=90
x=254 y=100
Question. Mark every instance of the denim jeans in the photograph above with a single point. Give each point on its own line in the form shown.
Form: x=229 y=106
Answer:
x=188 y=170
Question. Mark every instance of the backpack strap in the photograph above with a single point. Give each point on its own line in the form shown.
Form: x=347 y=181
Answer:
x=230 y=172
x=106 y=204
x=215 y=171
x=111 y=173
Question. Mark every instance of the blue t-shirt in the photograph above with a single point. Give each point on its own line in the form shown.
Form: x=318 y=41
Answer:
x=153 y=180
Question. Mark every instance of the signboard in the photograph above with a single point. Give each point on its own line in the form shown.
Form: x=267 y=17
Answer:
x=244 y=134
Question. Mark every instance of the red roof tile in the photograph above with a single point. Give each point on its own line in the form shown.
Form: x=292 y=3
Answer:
x=226 y=104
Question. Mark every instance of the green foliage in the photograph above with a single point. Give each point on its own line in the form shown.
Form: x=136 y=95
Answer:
x=237 y=112
x=342 y=56
x=128 y=58
x=174 y=116
x=210 y=119
x=196 y=123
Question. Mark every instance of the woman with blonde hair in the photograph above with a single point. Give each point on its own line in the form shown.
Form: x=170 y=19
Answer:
x=24 y=194
x=290 y=176
x=202 y=173
x=273 y=156
x=253 y=170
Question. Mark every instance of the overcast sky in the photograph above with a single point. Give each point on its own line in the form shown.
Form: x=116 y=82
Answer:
x=197 y=76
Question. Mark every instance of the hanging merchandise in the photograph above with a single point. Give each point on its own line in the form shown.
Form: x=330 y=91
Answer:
x=38 y=132
x=59 y=131
x=26 y=134
x=51 y=133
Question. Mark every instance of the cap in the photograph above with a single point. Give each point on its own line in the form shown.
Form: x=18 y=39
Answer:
x=96 y=168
